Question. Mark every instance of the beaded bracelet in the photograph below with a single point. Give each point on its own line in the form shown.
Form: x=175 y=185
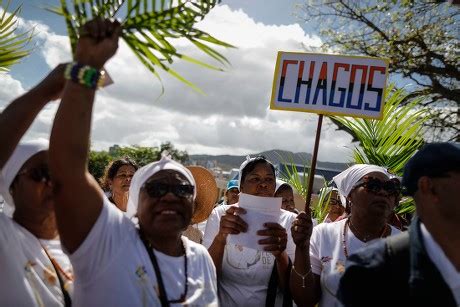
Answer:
x=301 y=275
x=84 y=75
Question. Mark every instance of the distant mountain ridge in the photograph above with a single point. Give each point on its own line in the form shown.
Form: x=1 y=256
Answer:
x=227 y=162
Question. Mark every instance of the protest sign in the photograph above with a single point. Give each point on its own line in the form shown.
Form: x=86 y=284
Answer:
x=329 y=84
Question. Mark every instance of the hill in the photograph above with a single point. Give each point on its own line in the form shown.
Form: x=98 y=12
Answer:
x=227 y=162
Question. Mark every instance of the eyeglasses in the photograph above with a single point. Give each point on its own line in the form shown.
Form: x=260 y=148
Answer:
x=37 y=174
x=157 y=189
x=335 y=202
x=374 y=185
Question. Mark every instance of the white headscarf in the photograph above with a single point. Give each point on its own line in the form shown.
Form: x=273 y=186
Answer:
x=329 y=190
x=280 y=183
x=245 y=163
x=23 y=152
x=145 y=172
x=347 y=179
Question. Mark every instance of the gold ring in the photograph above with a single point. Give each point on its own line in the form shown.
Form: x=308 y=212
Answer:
x=295 y=228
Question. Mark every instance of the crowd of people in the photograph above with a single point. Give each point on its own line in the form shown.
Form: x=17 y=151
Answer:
x=130 y=239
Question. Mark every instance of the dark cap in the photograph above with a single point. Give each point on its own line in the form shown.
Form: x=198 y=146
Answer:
x=433 y=160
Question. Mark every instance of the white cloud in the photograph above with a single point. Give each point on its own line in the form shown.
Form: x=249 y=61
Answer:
x=9 y=89
x=233 y=116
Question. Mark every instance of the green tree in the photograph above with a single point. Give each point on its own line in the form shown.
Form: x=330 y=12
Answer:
x=421 y=39
x=150 y=28
x=393 y=140
x=389 y=142
x=98 y=160
x=12 y=42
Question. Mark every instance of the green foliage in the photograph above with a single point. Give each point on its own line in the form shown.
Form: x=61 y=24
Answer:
x=150 y=28
x=12 y=43
x=389 y=142
x=420 y=38
x=393 y=140
x=320 y=211
x=292 y=177
x=98 y=160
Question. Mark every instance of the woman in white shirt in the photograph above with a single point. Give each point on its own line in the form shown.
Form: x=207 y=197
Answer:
x=33 y=269
x=372 y=193
x=244 y=273
x=115 y=262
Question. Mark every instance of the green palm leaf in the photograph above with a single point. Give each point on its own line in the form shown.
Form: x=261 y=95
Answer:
x=150 y=28
x=12 y=43
x=393 y=140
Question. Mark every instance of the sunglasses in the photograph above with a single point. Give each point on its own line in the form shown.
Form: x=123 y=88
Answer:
x=156 y=189
x=335 y=202
x=374 y=185
x=37 y=174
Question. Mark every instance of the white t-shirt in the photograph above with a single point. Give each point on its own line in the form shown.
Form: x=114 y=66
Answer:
x=328 y=259
x=246 y=271
x=113 y=268
x=27 y=276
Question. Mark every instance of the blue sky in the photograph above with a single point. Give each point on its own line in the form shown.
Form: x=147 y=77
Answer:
x=233 y=116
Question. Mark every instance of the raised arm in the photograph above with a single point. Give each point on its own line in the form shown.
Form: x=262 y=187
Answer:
x=78 y=197
x=17 y=117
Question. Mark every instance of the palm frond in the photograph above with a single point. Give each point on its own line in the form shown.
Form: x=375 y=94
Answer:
x=150 y=28
x=393 y=140
x=12 y=44
x=292 y=177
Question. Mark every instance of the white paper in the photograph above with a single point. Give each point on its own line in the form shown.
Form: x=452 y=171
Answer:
x=259 y=210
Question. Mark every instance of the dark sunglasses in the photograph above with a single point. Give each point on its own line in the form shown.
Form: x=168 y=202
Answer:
x=37 y=174
x=375 y=185
x=157 y=189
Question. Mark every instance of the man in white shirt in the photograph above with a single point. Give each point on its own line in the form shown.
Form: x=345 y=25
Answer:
x=422 y=266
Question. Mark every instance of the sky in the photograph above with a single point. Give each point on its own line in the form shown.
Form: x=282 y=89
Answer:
x=233 y=116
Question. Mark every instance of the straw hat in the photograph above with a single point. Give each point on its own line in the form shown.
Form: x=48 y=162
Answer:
x=206 y=197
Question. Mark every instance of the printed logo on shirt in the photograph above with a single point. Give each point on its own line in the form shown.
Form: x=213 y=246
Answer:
x=239 y=257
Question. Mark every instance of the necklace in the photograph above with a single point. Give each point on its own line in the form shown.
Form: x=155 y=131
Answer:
x=163 y=295
x=62 y=283
x=345 y=230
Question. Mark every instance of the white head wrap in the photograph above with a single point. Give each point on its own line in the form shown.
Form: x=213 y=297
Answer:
x=279 y=183
x=145 y=172
x=23 y=152
x=244 y=164
x=329 y=190
x=347 y=179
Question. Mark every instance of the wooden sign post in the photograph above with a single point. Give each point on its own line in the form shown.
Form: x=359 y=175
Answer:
x=328 y=84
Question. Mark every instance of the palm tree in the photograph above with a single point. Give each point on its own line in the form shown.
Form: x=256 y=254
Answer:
x=150 y=28
x=393 y=140
x=389 y=142
x=12 y=43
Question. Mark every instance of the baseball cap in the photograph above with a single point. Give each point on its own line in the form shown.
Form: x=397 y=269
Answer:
x=432 y=160
x=232 y=184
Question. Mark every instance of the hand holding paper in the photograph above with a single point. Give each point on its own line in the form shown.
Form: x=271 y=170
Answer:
x=262 y=216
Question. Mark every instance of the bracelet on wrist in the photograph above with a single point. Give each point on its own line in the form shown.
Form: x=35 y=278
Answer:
x=85 y=75
x=303 y=276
